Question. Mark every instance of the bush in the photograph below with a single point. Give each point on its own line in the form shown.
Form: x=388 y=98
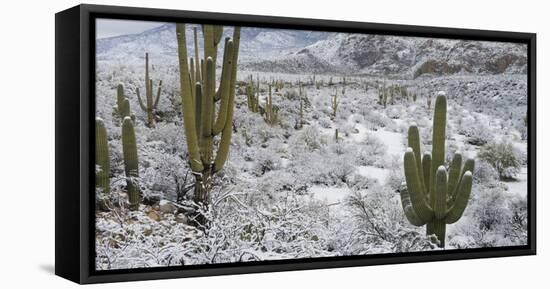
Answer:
x=503 y=157
x=371 y=151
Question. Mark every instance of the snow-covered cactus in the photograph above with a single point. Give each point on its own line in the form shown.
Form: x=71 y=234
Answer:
x=334 y=103
x=434 y=196
x=101 y=156
x=199 y=111
x=301 y=112
x=131 y=167
x=271 y=114
x=251 y=96
x=150 y=104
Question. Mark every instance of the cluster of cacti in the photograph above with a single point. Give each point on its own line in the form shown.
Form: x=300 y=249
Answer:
x=199 y=108
x=150 y=104
x=122 y=108
x=271 y=113
x=434 y=196
x=102 y=162
x=252 y=96
x=131 y=167
x=278 y=85
x=334 y=103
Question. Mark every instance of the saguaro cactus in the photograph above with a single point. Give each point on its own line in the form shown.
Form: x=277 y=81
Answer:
x=149 y=105
x=131 y=167
x=101 y=156
x=271 y=115
x=334 y=103
x=252 y=98
x=200 y=120
x=434 y=196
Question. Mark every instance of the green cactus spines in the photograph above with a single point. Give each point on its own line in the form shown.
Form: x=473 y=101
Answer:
x=102 y=156
x=201 y=121
x=131 y=166
x=434 y=196
x=150 y=104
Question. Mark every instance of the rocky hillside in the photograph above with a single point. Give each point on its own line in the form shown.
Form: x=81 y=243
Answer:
x=294 y=51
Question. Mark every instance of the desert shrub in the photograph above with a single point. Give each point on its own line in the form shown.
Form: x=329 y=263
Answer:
x=479 y=134
x=308 y=139
x=371 y=151
x=484 y=173
x=503 y=157
x=379 y=224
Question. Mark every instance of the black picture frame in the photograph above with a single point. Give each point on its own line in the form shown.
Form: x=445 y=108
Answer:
x=74 y=154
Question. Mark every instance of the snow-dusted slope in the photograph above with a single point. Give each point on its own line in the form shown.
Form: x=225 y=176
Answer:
x=295 y=51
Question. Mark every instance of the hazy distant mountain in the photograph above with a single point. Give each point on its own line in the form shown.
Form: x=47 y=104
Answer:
x=295 y=51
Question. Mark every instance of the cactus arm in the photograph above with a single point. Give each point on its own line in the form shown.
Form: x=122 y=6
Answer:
x=468 y=166
x=141 y=104
x=418 y=200
x=187 y=102
x=156 y=104
x=198 y=106
x=408 y=209
x=461 y=200
x=224 y=88
x=414 y=143
x=197 y=75
x=440 y=202
x=426 y=171
x=192 y=76
x=125 y=108
x=207 y=113
x=454 y=174
x=438 y=140
x=225 y=74
x=225 y=142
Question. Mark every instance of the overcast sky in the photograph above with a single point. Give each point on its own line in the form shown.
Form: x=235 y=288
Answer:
x=115 y=27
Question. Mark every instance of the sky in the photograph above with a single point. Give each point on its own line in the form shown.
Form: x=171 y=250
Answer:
x=115 y=27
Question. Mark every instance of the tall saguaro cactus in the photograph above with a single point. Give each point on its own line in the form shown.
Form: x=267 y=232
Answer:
x=434 y=196
x=131 y=167
x=102 y=156
x=150 y=104
x=199 y=111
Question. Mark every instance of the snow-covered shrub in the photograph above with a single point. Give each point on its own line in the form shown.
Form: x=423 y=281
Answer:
x=308 y=139
x=375 y=120
x=504 y=158
x=484 y=173
x=360 y=182
x=325 y=122
x=265 y=161
x=379 y=224
x=479 y=134
x=371 y=151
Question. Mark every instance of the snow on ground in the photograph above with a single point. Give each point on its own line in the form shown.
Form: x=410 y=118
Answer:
x=393 y=140
x=330 y=195
x=373 y=172
x=519 y=187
